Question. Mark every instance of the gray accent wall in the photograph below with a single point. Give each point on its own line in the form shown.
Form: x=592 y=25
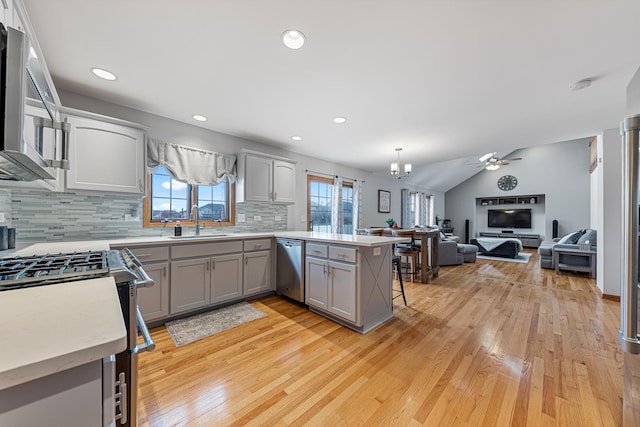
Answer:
x=558 y=171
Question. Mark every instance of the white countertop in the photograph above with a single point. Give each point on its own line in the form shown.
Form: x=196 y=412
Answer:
x=48 y=329
x=345 y=239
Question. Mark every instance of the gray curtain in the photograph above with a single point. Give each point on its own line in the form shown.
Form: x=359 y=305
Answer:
x=405 y=209
x=336 y=206
x=357 y=205
x=422 y=216
x=191 y=165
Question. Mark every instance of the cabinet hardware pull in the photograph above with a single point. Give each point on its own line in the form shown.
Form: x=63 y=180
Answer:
x=121 y=398
x=213 y=265
x=164 y=271
x=207 y=266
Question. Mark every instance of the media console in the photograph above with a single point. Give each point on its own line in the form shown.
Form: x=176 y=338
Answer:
x=527 y=240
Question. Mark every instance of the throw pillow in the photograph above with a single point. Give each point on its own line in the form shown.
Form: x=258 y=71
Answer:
x=571 y=238
x=588 y=236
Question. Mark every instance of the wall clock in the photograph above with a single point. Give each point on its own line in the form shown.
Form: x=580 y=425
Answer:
x=507 y=182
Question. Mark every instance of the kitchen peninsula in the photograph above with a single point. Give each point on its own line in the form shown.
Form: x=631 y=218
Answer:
x=348 y=277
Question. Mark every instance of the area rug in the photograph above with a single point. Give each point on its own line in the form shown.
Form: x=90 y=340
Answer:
x=523 y=258
x=190 y=329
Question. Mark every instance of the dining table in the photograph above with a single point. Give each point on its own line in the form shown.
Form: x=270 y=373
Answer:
x=429 y=242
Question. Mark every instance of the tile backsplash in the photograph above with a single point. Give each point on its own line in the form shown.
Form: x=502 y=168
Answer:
x=42 y=216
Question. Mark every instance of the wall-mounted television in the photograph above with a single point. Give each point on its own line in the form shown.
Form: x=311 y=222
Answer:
x=509 y=218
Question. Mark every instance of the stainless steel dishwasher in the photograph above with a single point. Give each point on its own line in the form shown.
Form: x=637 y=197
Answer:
x=290 y=269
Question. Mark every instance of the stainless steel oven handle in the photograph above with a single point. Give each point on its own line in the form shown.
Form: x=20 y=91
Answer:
x=146 y=281
x=149 y=344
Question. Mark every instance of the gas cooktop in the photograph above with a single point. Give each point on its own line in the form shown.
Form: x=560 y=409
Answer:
x=37 y=270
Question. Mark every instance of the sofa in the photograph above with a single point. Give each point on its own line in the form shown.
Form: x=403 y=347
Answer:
x=450 y=252
x=572 y=240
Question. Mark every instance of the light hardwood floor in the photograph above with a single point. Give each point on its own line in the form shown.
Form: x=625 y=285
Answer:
x=486 y=344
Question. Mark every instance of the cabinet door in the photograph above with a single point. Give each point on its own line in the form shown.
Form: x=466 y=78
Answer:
x=284 y=179
x=190 y=284
x=105 y=157
x=154 y=301
x=342 y=290
x=257 y=272
x=226 y=277
x=316 y=282
x=258 y=179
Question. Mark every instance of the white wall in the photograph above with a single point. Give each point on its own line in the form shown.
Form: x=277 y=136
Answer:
x=195 y=136
x=560 y=171
x=609 y=182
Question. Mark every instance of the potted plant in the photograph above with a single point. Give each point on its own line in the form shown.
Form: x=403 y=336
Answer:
x=392 y=223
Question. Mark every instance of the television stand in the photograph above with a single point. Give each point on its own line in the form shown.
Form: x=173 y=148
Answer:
x=527 y=240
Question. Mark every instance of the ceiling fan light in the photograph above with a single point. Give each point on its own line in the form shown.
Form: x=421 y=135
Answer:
x=492 y=167
x=486 y=157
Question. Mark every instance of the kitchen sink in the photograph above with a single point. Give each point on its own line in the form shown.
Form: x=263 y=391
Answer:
x=202 y=236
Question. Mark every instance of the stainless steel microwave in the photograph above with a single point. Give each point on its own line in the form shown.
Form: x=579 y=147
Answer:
x=33 y=141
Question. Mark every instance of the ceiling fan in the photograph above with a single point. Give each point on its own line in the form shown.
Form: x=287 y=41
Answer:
x=491 y=162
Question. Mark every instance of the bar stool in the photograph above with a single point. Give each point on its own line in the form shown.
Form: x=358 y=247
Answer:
x=410 y=251
x=395 y=262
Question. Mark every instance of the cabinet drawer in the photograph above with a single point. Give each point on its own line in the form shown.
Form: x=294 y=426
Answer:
x=340 y=253
x=205 y=249
x=151 y=254
x=257 y=245
x=317 y=249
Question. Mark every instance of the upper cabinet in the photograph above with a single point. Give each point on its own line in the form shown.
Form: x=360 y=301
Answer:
x=265 y=178
x=105 y=155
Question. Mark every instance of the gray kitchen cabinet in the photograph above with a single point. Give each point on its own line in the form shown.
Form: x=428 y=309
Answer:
x=264 y=178
x=154 y=301
x=257 y=272
x=316 y=283
x=105 y=155
x=341 y=290
x=226 y=278
x=190 y=284
x=331 y=280
x=205 y=274
x=73 y=397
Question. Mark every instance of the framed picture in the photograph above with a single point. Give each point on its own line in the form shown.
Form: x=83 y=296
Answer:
x=384 y=201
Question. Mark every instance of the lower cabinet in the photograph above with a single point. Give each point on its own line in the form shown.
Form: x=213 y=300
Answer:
x=316 y=293
x=332 y=286
x=342 y=290
x=154 y=301
x=257 y=272
x=199 y=282
x=226 y=277
x=190 y=284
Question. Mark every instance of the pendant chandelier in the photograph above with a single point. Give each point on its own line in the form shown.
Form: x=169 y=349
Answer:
x=395 y=167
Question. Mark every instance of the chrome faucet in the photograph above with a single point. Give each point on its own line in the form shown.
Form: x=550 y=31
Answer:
x=194 y=212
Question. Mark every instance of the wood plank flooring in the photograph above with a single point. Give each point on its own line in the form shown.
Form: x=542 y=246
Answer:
x=489 y=343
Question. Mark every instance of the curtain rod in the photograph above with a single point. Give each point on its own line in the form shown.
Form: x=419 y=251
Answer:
x=333 y=175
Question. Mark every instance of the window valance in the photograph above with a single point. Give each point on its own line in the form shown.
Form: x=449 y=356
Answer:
x=191 y=165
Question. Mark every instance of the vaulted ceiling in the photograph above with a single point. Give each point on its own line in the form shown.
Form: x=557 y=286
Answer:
x=446 y=80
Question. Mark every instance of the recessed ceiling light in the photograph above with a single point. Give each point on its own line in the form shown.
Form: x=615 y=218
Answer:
x=104 y=74
x=293 y=39
x=580 y=84
x=296 y=138
x=199 y=118
x=339 y=120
